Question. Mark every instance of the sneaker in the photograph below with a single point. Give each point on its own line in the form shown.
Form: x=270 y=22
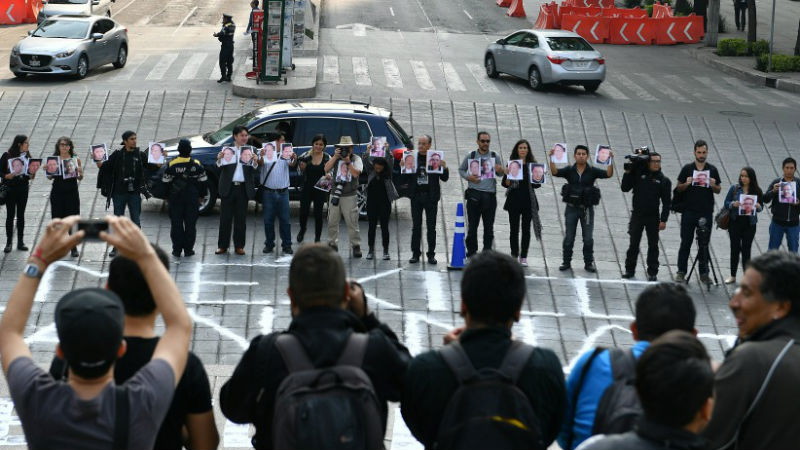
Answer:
x=432 y=261
x=370 y=255
x=267 y=249
x=414 y=259
x=22 y=247
x=680 y=277
x=704 y=278
x=7 y=249
x=652 y=278
x=564 y=266
x=176 y=253
x=287 y=251
x=112 y=253
x=628 y=275
x=356 y=251
x=188 y=253
x=386 y=256
x=523 y=262
x=730 y=280
x=590 y=267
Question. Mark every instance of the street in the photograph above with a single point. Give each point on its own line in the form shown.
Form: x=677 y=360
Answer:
x=424 y=62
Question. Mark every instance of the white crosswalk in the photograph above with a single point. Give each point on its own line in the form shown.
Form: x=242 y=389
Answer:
x=361 y=71
x=193 y=66
x=158 y=72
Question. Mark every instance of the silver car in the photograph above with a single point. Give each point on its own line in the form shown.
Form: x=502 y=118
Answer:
x=54 y=8
x=545 y=57
x=70 y=45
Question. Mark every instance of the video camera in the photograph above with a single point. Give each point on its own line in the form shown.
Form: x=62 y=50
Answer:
x=638 y=160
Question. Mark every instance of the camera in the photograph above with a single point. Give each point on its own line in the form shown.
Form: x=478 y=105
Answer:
x=92 y=228
x=703 y=233
x=345 y=152
x=337 y=192
x=638 y=160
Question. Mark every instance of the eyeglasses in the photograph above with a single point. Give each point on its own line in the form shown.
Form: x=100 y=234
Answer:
x=484 y=141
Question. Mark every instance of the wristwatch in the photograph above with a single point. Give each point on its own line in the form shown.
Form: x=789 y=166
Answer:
x=32 y=271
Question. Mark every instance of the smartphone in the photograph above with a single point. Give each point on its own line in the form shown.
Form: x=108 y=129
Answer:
x=92 y=228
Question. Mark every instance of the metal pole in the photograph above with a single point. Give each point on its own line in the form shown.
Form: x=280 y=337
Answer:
x=771 y=37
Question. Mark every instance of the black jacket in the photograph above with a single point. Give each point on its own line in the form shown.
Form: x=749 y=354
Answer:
x=649 y=189
x=407 y=183
x=112 y=169
x=647 y=436
x=782 y=213
x=323 y=332
x=226 y=180
x=430 y=383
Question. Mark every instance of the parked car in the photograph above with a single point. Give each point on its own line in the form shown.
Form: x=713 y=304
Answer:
x=545 y=57
x=301 y=120
x=74 y=8
x=70 y=45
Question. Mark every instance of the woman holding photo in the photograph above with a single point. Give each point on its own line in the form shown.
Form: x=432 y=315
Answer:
x=742 y=229
x=521 y=204
x=64 y=198
x=312 y=166
x=380 y=195
x=17 y=198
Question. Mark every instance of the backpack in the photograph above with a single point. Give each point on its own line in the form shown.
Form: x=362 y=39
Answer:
x=678 y=204
x=329 y=407
x=487 y=409
x=619 y=408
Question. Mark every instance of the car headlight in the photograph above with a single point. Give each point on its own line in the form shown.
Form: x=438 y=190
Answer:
x=15 y=51
x=65 y=54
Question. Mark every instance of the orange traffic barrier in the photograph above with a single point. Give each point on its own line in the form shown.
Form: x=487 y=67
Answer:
x=546 y=18
x=32 y=10
x=593 y=29
x=516 y=9
x=13 y=12
x=631 y=31
x=679 y=30
x=503 y=3
x=660 y=11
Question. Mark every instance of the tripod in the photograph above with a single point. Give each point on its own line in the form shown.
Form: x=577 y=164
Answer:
x=703 y=238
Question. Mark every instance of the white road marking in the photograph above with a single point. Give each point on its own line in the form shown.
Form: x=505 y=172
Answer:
x=215 y=72
x=465 y=12
x=663 y=88
x=422 y=75
x=162 y=66
x=330 y=69
x=361 y=71
x=184 y=20
x=391 y=11
x=266 y=320
x=742 y=88
x=730 y=95
x=236 y=435
x=517 y=88
x=433 y=285
x=223 y=331
x=133 y=64
x=392 y=73
x=192 y=66
x=481 y=78
x=359 y=29
x=451 y=77
x=612 y=91
x=638 y=90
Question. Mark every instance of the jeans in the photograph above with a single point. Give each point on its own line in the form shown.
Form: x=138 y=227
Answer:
x=572 y=215
x=689 y=221
x=514 y=217
x=276 y=204
x=741 y=233
x=423 y=202
x=480 y=205
x=134 y=203
x=635 y=227
x=776 y=233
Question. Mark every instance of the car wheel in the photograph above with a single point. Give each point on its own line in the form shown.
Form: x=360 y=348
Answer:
x=209 y=200
x=591 y=87
x=535 y=79
x=83 y=67
x=491 y=68
x=361 y=201
x=122 y=57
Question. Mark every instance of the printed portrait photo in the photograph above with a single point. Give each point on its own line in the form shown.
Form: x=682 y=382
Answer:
x=52 y=166
x=515 y=170
x=487 y=168
x=228 y=156
x=377 y=146
x=747 y=204
x=701 y=178
x=247 y=155
x=268 y=152
x=155 y=154
x=99 y=152
x=287 y=151
x=560 y=154
x=474 y=167
x=409 y=162
x=33 y=166
x=69 y=168
x=538 y=173
x=323 y=184
x=434 y=161
x=343 y=172
x=17 y=166
x=787 y=192
x=602 y=156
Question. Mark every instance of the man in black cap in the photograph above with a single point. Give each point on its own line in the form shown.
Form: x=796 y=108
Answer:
x=187 y=182
x=89 y=411
x=225 y=36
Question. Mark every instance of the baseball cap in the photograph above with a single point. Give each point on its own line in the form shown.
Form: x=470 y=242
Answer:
x=90 y=323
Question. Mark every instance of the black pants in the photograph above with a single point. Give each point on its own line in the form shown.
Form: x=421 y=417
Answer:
x=480 y=205
x=741 y=233
x=233 y=211
x=689 y=223
x=635 y=227
x=183 y=213
x=16 y=201
x=378 y=211
x=740 y=14
x=226 y=61
x=515 y=215
x=423 y=202
x=318 y=198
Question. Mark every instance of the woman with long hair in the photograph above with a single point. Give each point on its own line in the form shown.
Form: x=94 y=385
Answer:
x=64 y=199
x=17 y=198
x=521 y=203
x=312 y=166
x=742 y=227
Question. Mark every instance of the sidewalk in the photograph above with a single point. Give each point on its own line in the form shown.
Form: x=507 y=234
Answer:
x=744 y=67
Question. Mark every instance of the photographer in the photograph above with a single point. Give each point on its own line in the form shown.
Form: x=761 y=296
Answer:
x=643 y=176
x=343 y=201
x=581 y=195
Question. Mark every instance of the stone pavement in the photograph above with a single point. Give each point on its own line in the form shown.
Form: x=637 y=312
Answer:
x=235 y=298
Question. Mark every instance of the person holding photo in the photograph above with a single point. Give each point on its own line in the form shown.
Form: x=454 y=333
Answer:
x=237 y=186
x=274 y=177
x=522 y=204
x=64 y=198
x=347 y=206
x=17 y=197
x=785 y=216
x=742 y=228
x=312 y=166
x=480 y=196
x=380 y=195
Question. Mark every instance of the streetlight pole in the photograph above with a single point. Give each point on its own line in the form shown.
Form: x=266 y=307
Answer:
x=771 y=37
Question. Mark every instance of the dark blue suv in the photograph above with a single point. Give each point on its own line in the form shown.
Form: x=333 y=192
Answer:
x=300 y=120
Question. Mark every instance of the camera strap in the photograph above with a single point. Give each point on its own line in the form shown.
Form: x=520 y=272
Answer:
x=264 y=181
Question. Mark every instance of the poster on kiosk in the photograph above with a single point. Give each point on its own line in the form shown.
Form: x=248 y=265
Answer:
x=272 y=42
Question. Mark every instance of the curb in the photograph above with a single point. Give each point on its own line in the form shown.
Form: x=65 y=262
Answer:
x=706 y=55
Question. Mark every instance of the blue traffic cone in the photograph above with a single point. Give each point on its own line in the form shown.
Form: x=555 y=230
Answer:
x=459 y=252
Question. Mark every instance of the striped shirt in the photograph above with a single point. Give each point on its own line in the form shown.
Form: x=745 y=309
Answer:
x=279 y=177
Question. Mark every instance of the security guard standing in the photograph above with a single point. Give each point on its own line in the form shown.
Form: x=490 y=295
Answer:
x=225 y=36
x=186 y=178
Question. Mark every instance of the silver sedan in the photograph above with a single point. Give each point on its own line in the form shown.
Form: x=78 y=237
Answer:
x=70 y=45
x=545 y=57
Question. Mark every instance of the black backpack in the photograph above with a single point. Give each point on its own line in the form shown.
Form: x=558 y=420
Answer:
x=619 y=408
x=488 y=410
x=326 y=408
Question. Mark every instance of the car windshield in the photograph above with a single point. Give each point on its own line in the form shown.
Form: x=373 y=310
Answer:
x=225 y=132
x=68 y=2
x=568 y=43
x=68 y=29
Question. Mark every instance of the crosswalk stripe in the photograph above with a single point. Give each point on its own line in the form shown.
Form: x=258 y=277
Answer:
x=451 y=77
x=480 y=76
x=638 y=90
x=732 y=96
x=517 y=87
x=392 y=73
x=130 y=68
x=675 y=80
x=607 y=88
x=422 y=75
x=192 y=66
x=662 y=88
x=361 y=71
x=162 y=66
x=330 y=69
x=744 y=88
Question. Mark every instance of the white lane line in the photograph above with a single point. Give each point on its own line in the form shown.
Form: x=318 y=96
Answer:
x=480 y=76
x=747 y=89
x=130 y=68
x=392 y=73
x=391 y=11
x=701 y=95
x=184 y=20
x=162 y=66
x=517 y=88
x=330 y=69
x=122 y=9
x=215 y=72
x=465 y=12
x=663 y=88
x=192 y=66
x=359 y=29
x=361 y=71
x=433 y=285
x=454 y=82
x=638 y=90
x=732 y=96
x=612 y=91
x=422 y=75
